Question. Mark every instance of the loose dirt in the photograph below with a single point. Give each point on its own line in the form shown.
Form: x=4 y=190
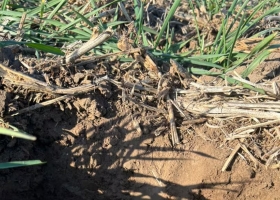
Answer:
x=97 y=152
x=106 y=158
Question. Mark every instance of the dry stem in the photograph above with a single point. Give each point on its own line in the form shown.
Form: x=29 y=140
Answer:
x=89 y=45
x=174 y=134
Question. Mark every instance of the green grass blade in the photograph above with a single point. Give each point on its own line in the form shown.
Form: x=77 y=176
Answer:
x=7 y=43
x=234 y=41
x=202 y=63
x=172 y=36
x=167 y=39
x=207 y=56
x=166 y=21
x=247 y=24
x=242 y=57
x=4 y=4
x=85 y=7
x=273 y=46
x=217 y=43
x=177 y=46
x=200 y=71
x=237 y=15
x=81 y=33
x=47 y=5
x=149 y=30
x=266 y=31
x=255 y=63
x=86 y=16
x=17 y=134
x=50 y=16
x=185 y=54
x=45 y=48
x=165 y=56
x=139 y=11
x=53 y=22
x=196 y=25
x=92 y=2
x=11 y=13
x=264 y=43
x=116 y=15
x=42 y=6
x=13 y=164
x=113 y=24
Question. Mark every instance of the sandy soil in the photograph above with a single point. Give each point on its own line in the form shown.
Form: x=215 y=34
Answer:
x=105 y=157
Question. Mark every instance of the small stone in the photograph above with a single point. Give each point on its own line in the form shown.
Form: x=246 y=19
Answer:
x=78 y=77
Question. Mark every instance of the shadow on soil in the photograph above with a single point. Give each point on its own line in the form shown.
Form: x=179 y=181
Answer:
x=85 y=160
